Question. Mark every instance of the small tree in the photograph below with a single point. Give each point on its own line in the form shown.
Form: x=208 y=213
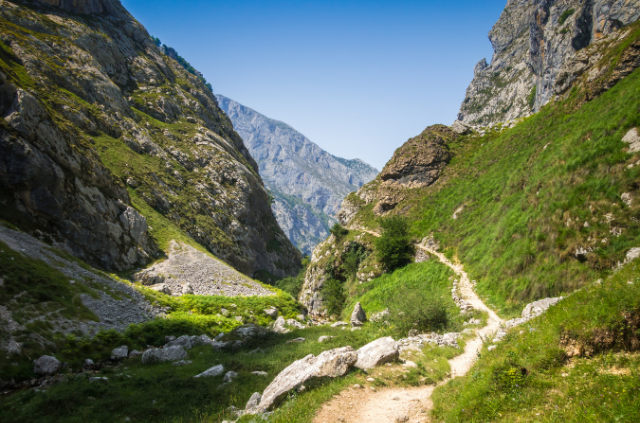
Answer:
x=333 y=296
x=394 y=246
x=338 y=230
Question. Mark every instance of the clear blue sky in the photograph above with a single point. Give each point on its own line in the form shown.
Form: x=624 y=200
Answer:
x=356 y=77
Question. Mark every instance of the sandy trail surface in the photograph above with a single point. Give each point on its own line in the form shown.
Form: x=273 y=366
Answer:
x=365 y=405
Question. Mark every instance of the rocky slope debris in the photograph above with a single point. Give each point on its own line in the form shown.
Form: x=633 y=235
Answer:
x=533 y=310
x=533 y=41
x=114 y=304
x=307 y=183
x=103 y=130
x=189 y=271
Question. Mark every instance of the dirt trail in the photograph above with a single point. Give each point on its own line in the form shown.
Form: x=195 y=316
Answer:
x=409 y=404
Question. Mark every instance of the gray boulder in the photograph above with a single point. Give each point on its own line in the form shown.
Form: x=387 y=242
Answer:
x=271 y=312
x=253 y=403
x=295 y=324
x=325 y=338
x=229 y=376
x=120 y=353
x=279 y=326
x=212 y=372
x=633 y=140
x=249 y=331
x=159 y=355
x=358 y=317
x=135 y=353
x=184 y=341
x=187 y=289
x=376 y=353
x=332 y=363
x=47 y=366
x=338 y=324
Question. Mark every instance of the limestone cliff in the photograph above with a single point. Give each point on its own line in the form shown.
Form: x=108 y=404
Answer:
x=109 y=148
x=307 y=183
x=532 y=41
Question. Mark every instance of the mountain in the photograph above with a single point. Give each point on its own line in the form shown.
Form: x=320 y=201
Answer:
x=533 y=40
x=110 y=149
x=307 y=183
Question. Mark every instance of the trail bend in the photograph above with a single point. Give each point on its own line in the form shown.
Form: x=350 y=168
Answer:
x=410 y=404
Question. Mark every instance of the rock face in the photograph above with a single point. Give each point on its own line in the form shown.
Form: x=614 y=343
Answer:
x=332 y=363
x=64 y=161
x=376 y=353
x=47 y=366
x=533 y=41
x=293 y=166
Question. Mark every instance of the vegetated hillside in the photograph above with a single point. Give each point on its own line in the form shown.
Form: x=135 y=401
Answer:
x=110 y=149
x=307 y=183
x=535 y=211
x=532 y=42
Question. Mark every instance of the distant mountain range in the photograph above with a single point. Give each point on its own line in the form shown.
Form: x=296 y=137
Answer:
x=307 y=183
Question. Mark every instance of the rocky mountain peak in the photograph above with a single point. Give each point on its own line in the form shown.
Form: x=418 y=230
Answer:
x=532 y=41
x=90 y=7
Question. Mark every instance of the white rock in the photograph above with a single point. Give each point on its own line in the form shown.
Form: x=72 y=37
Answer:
x=378 y=352
x=120 y=352
x=338 y=324
x=229 y=376
x=253 y=403
x=358 y=317
x=259 y=373
x=271 y=312
x=279 y=327
x=332 y=363
x=325 y=338
x=212 y=372
x=158 y=355
x=47 y=366
x=633 y=139
x=98 y=379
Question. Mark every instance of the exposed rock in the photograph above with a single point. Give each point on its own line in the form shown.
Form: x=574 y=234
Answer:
x=291 y=165
x=296 y=340
x=158 y=355
x=533 y=55
x=460 y=127
x=135 y=353
x=253 y=403
x=89 y=364
x=52 y=170
x=229 y=376
x=533 y=310
x=271 y=312
x=418 y=342
x=212 y=372
x=279 y=327
x=120 y=353
x=380 y=316
x=325 y=338
x=376 y=353
x=47 y=365
x=249 y=331
x=633 y=140
x=295 y=324
x=358 y=317
x=190 y=271
x=98 y=380
x=259 y=373
x=181 y=363
x=332 y=363
x=338 y=324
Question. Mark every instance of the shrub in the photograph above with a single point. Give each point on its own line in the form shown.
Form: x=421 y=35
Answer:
x=333 y=296
x=414 y=308
x=352 y=258
x=531 y=98
x=338 y=230
x=291 y=285
x=565 y=15
x=394 y=246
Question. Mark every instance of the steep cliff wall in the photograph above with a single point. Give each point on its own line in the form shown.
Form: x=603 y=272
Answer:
x=307 y=183
x=99 y=130
x=532 y=41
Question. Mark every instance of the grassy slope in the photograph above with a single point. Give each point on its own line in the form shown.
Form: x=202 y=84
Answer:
x=527 y=193
x=605 y=319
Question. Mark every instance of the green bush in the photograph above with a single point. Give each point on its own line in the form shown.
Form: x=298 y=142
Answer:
x=565 y=15
x=333 y=296
x=418 y=308
x=531 y=98
x=394 y=246
x=291 y=285
x=352 y=258
x=339 y=231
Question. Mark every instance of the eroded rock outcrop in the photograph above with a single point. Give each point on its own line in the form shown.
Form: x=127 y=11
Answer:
x=533 y=41
x=64 y=162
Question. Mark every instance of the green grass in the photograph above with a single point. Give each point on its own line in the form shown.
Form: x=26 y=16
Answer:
x=530 y=378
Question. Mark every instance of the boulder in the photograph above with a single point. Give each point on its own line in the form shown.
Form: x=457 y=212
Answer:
x=120 y=353
x=212 y=372
x=338 y=324
x=187 y=289
x=159 y=355
x=378 y=352
x=271 y=312
x=89 y=364
x=460 y=127
x=184 y=341
x=358 y=317
x=182 y=363
x=279 y=327
x=249 y=331
x=259 y=373
x=253 y=402
x=47 y=366
x=13 y=348
x=295 y=324
x=633 y=140
x=229 y=376
x=332 y=363
x=135 y=353
x=325 y=338
x=296 y=340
